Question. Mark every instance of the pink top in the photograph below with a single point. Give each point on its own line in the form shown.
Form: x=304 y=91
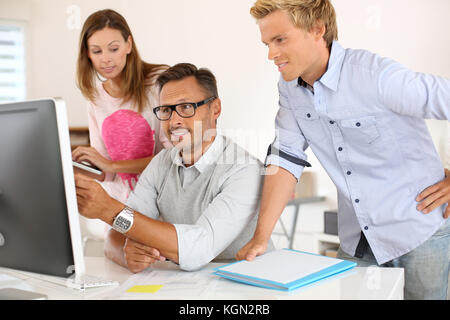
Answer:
x=118 y=132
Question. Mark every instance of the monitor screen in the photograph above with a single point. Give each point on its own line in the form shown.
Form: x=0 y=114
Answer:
x=39 y=223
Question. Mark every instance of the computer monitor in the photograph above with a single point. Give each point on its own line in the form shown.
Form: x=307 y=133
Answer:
x=39 y=221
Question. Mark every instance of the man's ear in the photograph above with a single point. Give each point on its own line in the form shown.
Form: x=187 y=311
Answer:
x=318 y=29
x=216 y=108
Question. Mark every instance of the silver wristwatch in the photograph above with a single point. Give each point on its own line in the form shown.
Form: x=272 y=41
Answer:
x=124 y=220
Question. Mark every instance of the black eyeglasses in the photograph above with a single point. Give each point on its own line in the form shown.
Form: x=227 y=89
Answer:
x=184 y=110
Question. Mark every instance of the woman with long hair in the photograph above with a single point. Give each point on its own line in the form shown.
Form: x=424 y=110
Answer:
x=121 y=93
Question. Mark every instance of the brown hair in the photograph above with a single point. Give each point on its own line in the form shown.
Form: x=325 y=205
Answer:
x=137 y=75
x=204 y=77
x=304 y=14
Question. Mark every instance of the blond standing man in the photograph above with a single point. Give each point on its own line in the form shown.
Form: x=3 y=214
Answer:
x=363 y=117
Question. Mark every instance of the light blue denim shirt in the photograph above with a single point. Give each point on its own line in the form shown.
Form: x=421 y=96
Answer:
x=365 y=124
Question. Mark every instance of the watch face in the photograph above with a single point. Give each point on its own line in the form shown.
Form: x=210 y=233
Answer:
x=122 y=223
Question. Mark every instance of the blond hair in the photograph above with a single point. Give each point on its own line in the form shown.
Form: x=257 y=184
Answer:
x=304 y=14
x=137 y=76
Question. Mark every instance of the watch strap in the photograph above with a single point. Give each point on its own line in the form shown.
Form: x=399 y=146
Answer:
x=124 y=220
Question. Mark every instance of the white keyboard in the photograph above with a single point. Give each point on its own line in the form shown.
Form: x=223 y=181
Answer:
x=82 y=282
x=86 y=281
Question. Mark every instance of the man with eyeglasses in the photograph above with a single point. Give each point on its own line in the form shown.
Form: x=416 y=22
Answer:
x=195 y=202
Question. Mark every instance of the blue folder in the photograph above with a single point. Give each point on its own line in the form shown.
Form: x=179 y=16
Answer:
x=248 y=277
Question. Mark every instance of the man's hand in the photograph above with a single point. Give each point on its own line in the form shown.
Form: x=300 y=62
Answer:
x=94 y=202
x=139 y=257
x=435 y=196
x=252 y=249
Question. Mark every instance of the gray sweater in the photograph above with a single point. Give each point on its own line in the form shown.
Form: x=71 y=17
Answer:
x=212 y=204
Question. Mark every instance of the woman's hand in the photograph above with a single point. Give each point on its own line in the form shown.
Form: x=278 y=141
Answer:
x=91 y=155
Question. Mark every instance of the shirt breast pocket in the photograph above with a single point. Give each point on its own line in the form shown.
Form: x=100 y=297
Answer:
x=362 y=130
x=310 y=123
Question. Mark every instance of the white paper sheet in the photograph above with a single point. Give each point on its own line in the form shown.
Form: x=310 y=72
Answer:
x=175 y=283
x=8 y=281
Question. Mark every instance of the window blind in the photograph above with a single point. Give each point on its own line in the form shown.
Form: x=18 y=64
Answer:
x=12 y=63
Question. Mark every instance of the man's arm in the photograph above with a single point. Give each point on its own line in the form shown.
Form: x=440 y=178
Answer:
x=190 y=245
x=279 y=186
x=412 y=93
x=423 y=96
x=123 y=250
x=128 y=253
x=114 y=243
x=95 y=203
x=285 y=165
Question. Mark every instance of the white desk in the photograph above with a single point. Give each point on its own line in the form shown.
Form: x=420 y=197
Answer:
x=359 y=283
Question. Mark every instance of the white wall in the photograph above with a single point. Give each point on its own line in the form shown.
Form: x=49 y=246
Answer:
x=222 y=36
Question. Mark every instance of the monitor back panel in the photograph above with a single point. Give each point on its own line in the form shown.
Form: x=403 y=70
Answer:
x=33 y=211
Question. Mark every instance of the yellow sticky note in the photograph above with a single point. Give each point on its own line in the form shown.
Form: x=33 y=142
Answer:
x=145 y=289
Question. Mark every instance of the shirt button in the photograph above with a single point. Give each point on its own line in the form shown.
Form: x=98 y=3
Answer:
x=349 y=173
x=357 y=200
x=358 y=124
x=331 y=122
x=340 y=149
x=366 y=228
x=308 y=115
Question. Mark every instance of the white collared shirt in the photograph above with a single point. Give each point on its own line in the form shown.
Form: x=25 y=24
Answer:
x=365 y=123
x=189 y=174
